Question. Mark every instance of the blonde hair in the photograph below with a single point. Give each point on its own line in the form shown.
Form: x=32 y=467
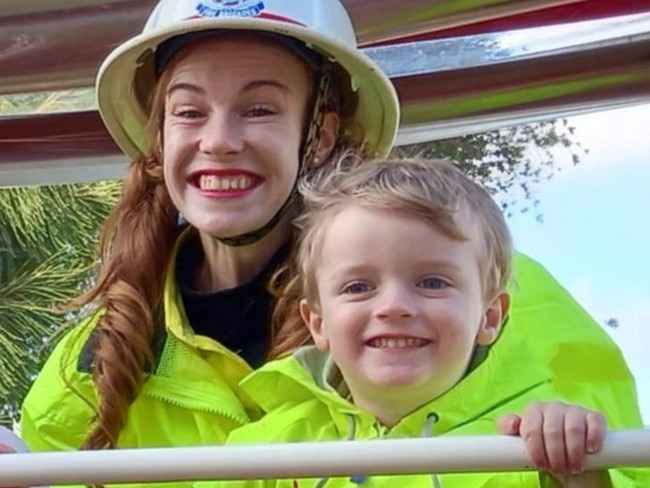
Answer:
x=432 y=190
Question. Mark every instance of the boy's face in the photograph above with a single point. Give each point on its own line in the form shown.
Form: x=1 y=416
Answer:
x=400 y=304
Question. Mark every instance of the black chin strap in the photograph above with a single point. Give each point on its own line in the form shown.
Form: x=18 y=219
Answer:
x=255 y=235
x=308 y=150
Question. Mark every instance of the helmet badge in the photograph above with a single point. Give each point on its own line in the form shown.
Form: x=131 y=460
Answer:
x=230 y=8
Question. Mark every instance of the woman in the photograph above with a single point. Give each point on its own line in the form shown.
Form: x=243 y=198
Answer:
x=246 y=98
x=240 y=108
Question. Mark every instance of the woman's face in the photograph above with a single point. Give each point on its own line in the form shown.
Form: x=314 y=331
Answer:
x=234 y=114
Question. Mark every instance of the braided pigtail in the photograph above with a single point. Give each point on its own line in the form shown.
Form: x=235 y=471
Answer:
x=136 y=246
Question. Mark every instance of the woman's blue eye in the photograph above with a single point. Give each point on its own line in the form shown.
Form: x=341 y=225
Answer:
x=356 y=287
x=433 y=283
x=259 y=111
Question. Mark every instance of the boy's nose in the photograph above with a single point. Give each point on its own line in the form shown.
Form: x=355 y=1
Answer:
x=395 y=302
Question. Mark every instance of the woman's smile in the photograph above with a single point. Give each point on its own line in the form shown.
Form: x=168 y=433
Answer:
x=231 y=183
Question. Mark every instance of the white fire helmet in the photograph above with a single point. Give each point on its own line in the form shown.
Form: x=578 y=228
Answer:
x=127 y=76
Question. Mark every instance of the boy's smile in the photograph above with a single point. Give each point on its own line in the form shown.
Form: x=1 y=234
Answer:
x=401 y=305
x=397 y=342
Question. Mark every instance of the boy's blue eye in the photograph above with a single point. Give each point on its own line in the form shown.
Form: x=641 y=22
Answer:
x=189 y=114
x=356 y=287
x=432 y=283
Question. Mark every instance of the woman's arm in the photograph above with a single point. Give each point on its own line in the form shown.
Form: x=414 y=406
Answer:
x=10 y=442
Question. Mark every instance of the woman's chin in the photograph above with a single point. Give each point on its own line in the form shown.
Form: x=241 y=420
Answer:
x=219 y=228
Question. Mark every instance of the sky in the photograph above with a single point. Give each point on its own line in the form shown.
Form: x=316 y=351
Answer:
x=595 y=234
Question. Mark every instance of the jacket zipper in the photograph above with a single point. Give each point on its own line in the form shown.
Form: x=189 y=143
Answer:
x=193 y=405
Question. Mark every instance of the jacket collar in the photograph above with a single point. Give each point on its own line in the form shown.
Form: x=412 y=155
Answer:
x=506 y=373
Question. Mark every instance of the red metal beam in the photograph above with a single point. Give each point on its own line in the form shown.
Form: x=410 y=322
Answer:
x=44 y=137
x=43 y=48
x=581 y=78
x=581 y=10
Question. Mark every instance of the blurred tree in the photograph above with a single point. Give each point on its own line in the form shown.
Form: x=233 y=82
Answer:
x=511 y=162
x=48 y=239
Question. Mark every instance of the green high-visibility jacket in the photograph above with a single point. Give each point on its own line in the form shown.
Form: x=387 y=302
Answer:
x=305 y=400
x=193 y=397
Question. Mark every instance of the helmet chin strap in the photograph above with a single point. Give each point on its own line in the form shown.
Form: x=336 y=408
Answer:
x=309 y=149
x=255 y=235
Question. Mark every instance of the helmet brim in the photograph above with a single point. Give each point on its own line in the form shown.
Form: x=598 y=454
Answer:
x=127 y=76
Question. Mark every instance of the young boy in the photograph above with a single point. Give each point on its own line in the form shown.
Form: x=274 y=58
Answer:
x=403 y=267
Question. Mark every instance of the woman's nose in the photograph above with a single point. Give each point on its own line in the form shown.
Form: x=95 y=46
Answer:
x=221 y=136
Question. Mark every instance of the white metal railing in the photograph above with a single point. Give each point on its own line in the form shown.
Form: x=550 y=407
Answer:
x=298 y=460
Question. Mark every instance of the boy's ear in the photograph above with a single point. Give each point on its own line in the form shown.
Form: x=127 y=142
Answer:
x=314 y=323
x=493 y=318
x=329 y=135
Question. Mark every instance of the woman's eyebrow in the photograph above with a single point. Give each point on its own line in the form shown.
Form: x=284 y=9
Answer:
x=261 y=83
x=184 y=86
x=248 y=87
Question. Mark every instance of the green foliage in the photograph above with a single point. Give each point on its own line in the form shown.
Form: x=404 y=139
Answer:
x=48 y=239
x=41 y=102
x=509 y=163
x=40 y=220
x=29 y=291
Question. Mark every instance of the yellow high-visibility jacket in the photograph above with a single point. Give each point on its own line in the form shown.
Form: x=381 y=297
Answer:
x=193 y=396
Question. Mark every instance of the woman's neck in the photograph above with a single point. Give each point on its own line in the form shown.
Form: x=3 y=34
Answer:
x=225 y=267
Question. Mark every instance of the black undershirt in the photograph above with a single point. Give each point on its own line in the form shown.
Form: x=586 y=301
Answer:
x=239 y=318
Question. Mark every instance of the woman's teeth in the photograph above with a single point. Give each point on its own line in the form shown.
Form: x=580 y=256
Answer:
x=220 y=183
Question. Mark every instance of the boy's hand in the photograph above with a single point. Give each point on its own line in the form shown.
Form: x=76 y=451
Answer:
x=558 y=436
